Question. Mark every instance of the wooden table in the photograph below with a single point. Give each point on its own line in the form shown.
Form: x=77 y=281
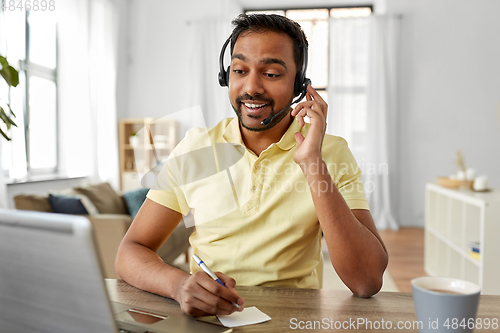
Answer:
x=330 y=308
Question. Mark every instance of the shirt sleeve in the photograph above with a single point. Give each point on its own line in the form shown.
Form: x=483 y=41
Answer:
x=169 y=200
x=167 y=190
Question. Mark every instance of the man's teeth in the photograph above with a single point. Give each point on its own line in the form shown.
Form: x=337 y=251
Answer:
x=254 y=106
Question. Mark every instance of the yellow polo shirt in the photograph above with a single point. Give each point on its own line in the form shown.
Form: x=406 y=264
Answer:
x=254 y=215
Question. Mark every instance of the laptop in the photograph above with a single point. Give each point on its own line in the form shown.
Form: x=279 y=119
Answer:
x=51 y=280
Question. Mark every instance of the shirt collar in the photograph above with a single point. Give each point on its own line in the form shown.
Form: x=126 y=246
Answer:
x=287 y=141
x=232 y=134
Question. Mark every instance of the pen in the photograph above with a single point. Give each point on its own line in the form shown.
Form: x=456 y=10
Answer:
x=207 y=270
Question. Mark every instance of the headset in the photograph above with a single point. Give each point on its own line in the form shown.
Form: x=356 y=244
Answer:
x=299 y=88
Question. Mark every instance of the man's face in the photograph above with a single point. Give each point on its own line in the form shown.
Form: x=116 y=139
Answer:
x=262 y=76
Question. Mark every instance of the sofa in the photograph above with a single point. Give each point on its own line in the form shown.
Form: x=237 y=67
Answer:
x=110 y=214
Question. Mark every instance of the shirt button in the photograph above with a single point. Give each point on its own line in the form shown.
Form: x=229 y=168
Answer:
x=254 y=188
x=257 y=166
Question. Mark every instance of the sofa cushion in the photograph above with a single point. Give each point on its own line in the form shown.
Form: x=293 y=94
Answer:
x=89 y=205
x=134 y=200
x=65 y=204
x=106 y=200
x=39 y=203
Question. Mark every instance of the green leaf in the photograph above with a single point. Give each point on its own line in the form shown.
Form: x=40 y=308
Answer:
x=14 y=76
x=9 y=73
x=11 y=112
x=4 y=135
x=6 y=119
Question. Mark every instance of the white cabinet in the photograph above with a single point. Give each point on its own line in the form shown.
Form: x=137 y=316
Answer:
x=455 y=218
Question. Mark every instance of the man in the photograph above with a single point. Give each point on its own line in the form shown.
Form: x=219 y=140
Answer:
x=292 y=183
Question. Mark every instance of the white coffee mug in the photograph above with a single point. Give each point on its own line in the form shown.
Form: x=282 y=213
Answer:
x=480 y=183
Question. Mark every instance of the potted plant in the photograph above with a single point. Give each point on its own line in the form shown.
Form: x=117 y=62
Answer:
x=11 y=76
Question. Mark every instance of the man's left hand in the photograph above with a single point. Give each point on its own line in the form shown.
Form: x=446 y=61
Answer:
x=309 y=148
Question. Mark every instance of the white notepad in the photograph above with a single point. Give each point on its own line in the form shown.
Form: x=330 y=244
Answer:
x=248 y=316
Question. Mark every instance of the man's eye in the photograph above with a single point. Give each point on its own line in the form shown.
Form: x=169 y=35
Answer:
x=237 y=71
x=271 y=75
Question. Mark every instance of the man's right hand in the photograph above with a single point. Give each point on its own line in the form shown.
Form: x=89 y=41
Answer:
x=199 y=295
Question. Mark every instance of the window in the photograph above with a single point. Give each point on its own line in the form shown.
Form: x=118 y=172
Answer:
x=29 y=42
x=315 y=23
x=346 y=58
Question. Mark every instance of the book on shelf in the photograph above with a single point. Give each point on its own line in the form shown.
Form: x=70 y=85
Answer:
x=475 y=247
x=475 y=255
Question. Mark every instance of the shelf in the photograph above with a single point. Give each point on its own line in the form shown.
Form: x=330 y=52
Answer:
x=453 y=219
x=156 y=140
x=453 y=246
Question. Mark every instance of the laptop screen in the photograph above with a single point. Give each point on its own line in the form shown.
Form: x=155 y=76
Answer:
x=50 y=277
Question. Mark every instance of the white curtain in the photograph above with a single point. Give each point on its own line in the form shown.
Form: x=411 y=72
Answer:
x=363 y=100
x=73 y=88
x=103 y=45
x=87 y=79
x=208 y=36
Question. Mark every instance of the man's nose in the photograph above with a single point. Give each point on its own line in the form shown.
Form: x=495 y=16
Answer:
x=253 y=84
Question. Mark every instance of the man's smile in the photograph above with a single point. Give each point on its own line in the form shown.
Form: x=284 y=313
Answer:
x=254 y=106
x=254 y=109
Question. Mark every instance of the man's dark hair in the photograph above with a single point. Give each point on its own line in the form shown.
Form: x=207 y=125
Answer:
x=276 y=23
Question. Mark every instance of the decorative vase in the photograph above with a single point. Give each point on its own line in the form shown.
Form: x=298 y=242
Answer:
x=134 y=141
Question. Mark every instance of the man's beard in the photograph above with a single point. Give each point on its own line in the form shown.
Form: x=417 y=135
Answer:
x=269 y=101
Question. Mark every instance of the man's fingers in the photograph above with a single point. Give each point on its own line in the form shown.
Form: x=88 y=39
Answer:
x=229 y=282
x=314 y=94
x=314 y=105
x=213 y=303
x=306 y=111
x=299 y=138
x=201 y=295
x=213 y=295
x=221 y=292
x=197 y=306
x=317 y=97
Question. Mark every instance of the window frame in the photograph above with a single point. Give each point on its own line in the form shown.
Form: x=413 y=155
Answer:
x=329 y=8
x=29 y=69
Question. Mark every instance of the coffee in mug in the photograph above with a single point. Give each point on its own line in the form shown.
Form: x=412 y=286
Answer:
x=442 y=303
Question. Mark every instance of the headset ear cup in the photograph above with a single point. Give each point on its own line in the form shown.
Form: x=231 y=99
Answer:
x=227 y=75
x=300 y=85
x=307 y=82
x=222 y=82
x=297 y=87
x=224 y=78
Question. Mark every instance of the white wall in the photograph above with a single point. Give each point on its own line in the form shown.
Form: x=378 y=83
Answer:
x=158 y=41
x=449 y=94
